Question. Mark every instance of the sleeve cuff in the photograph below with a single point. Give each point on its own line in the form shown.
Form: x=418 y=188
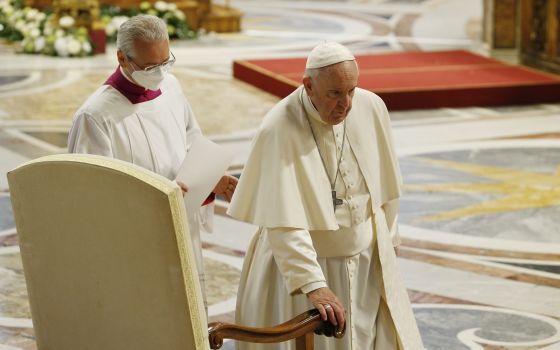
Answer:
x=210 y=199
x=312 y=286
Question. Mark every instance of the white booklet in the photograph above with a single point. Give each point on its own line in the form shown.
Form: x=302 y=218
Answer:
x=205 y=163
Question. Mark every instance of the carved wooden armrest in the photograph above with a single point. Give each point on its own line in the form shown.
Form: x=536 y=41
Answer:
x=300 y=327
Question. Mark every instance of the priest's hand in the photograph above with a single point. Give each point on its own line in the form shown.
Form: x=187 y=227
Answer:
x=184 y=187
x=329 y=306
x=226 y=186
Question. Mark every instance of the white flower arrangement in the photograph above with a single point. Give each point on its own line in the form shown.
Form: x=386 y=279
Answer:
x=74 y=45
x=179 y=14
x=71 y=42
x=66 y=22
x=39 y=33
x=7 y=9
x=61 y=47
x=86 y=47
x=161 y=6
x=40 y=43
x=112 y=27
x=32 y=14
x=35 y=32
x=176 y=21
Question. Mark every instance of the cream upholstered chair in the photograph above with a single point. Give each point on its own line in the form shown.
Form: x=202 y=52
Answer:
x=109 y=264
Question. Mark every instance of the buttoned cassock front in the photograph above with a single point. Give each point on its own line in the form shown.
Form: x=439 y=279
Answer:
x=285 y=190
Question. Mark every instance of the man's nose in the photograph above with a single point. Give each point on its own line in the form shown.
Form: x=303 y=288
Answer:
x=344 y=101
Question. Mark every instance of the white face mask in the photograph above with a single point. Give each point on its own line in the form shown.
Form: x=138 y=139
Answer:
x=150 y=80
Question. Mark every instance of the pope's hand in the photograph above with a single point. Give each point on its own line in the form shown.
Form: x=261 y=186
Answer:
x=329 y=306
x=226 y=186
x=184 y=187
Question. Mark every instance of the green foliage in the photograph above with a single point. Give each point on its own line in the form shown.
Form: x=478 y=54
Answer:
x=177 y=25
x=40 y=33
x=8 y=17
x=8 y=32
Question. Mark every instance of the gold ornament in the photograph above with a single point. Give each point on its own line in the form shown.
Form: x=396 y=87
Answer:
x=84 y=12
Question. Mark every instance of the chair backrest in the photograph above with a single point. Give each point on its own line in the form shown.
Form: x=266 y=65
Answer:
x=107 y=256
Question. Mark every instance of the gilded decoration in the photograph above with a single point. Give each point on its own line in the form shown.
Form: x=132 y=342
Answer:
x=538 y=26
x=84 y=12
x=201 y=14
x=505 y=17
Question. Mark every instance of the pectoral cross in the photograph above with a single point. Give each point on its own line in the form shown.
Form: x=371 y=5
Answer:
x=335 y=201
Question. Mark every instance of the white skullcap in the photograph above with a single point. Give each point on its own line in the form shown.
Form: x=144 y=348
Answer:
x=328 y=53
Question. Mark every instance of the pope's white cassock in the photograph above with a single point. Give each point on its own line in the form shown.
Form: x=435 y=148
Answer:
x=303 y=243
x=152 y=129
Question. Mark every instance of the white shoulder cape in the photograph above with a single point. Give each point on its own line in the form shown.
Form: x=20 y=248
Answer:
x=284 y=183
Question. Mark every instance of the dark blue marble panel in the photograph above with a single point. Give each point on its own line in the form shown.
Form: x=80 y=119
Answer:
x=415 y=206
x=540 y=160
x=418 y=170
x=440 y=326
x=9 y=79
x=545 y=268
x=522 y=208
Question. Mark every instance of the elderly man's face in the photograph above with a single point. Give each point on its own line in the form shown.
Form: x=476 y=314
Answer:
x=332 y=91
x=146 y=54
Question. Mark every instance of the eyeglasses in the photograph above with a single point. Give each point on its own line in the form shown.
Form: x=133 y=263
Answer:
x=165 y=65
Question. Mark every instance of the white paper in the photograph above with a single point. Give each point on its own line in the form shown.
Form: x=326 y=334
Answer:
x=205 y=163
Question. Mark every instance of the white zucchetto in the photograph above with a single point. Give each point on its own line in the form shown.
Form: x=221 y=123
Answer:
x=328 y=53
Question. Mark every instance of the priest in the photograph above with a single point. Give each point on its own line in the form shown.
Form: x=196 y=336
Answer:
x=140 y=115
x=322 y=182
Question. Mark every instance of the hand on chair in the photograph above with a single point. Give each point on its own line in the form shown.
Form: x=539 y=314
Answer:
x=329 y=306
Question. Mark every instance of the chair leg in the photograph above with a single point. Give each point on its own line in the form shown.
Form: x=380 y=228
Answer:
x=305 y=342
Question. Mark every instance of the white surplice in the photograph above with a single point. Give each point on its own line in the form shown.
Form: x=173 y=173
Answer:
x=155 y=135
x=303 y=244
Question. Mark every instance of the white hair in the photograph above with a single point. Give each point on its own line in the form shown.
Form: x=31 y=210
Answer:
x=142 y=27
x=312 y=72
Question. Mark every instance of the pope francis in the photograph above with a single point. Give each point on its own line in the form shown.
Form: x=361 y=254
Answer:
x=322 y=182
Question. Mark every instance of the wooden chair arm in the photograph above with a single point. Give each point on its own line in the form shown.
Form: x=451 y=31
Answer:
x=307 y=322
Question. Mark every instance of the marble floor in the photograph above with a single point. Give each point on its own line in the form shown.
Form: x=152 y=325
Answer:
x=480 y=217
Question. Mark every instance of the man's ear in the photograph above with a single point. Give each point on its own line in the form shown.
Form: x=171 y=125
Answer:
x=121 y=57
x=307 y=84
